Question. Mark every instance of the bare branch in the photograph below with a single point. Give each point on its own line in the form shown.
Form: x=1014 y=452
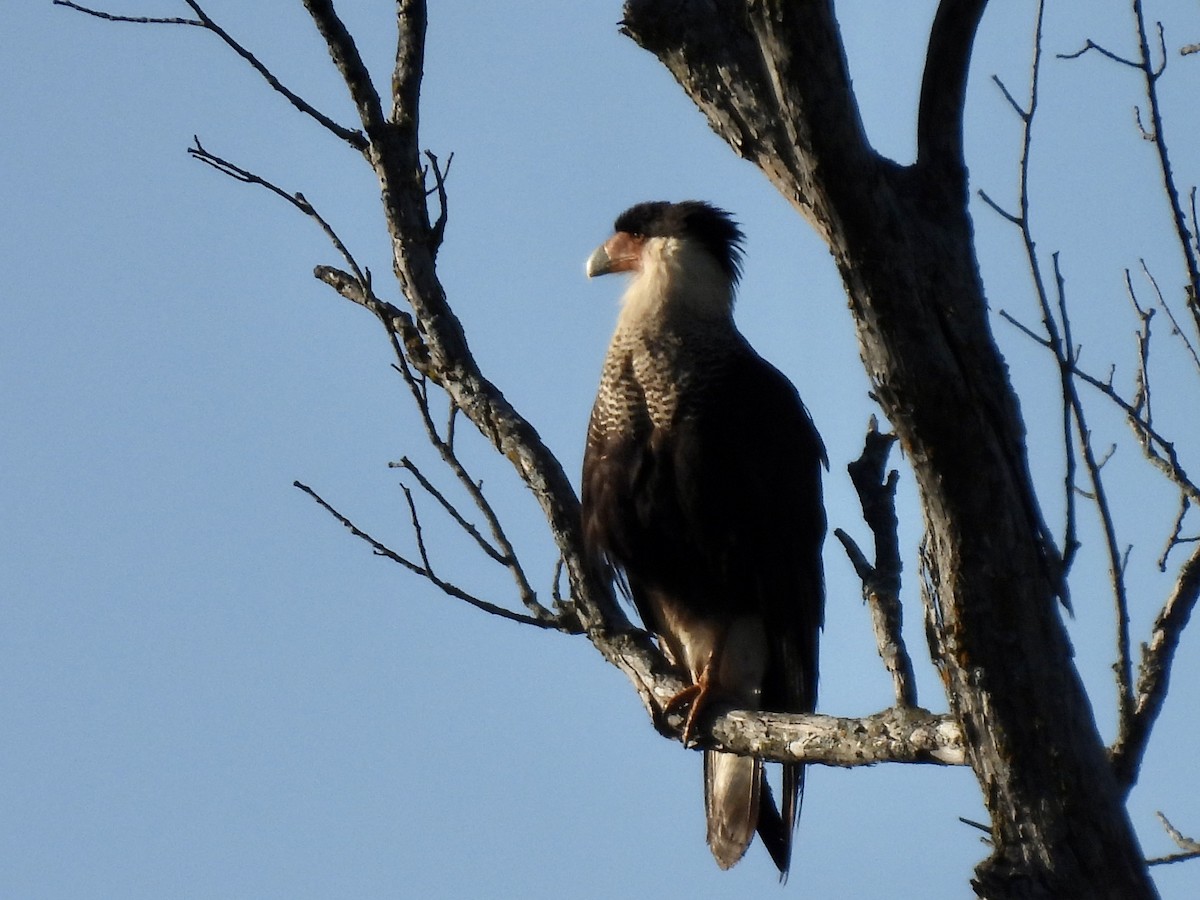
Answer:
x=1176 y=538
x=354 y=138
x=898 y=735
x=944 y=87
x=1154 y=673
x=1092 y=45
x=1176 y=329
x=139 y=20
x=1157 y=449
x=1021 y=111
x=1072 y=411
x=423 y=569
x=354 y=72
x=1190 y=847
x=999 y=210
x=881 y=581
x=442 y=354
x=296 y=199
x=1060 y=344
x=411 y=20
x=1151 y=75
x=451 y=510
x=439 y=178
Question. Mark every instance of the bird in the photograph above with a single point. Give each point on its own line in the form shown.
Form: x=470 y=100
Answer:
x=701 y=496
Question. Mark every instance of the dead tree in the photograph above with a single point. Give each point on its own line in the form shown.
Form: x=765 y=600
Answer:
x=771 y=77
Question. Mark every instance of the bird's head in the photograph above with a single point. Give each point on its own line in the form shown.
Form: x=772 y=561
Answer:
x=660 y=230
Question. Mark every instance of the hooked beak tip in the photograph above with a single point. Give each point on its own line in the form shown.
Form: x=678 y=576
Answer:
x=598 y=263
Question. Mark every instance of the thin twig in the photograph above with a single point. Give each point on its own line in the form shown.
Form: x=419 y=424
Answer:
x=1092 y=45
x=1166 y=308
x=1151 y=75
x=1154 y=672
x=1176 y=539
x=1190 y=847
x=354 y=138
x=424 y=571
x=406 y=345
x=1060 y=344
x=439 y=179
x=1017 y=108
x=998 y=209
x=1024 y=329
x=451 y=510
x=474 y=489
x=296 y=199
x=137 y=20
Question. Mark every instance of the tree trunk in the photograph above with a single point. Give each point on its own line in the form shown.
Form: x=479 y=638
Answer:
x=771 y=77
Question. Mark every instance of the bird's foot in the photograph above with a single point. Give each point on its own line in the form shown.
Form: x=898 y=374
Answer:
x=696 y=697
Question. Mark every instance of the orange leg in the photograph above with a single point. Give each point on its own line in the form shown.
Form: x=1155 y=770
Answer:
x=697 y=695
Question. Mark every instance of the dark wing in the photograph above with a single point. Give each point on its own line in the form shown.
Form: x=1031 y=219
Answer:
x=749 y=475
x=724 y=509
x=632 y=520
x=748 y=467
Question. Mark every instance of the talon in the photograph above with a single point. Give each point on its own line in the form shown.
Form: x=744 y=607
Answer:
x=697 y=696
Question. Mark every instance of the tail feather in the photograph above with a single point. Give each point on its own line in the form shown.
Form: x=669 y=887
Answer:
x=793 y=795
x=732 y=791
x=776 y=826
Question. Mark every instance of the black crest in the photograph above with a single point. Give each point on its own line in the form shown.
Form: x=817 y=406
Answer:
x=702 y=222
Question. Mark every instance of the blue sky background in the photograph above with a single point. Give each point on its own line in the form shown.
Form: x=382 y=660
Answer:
x=211 y=689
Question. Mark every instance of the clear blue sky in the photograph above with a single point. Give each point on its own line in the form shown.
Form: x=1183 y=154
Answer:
x=211 y=690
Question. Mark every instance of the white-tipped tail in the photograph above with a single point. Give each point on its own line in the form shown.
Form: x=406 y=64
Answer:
x=731 y=797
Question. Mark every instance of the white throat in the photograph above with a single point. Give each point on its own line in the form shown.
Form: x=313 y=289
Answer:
x=678 y=281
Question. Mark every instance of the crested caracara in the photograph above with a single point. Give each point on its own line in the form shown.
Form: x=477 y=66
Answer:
x=702 y=490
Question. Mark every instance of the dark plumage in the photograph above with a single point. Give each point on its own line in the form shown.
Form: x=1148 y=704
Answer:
x=701 y=487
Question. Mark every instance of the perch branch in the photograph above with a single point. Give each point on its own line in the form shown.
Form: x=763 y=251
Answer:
x=897 y=735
